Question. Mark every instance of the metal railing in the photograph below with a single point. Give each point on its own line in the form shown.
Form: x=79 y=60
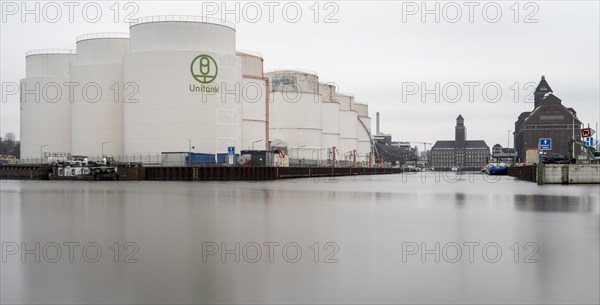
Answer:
x=184 y=18
x=102 y=35
x=291 y=71
x=149 y=160
x=50 y=51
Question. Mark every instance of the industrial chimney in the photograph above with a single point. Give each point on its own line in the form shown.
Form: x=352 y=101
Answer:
x=377 y=123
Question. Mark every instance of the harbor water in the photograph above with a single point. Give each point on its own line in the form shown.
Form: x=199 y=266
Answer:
x=412 y=238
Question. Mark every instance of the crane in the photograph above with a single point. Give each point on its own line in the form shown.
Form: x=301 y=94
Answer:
x=593 y=154
x=424 y=144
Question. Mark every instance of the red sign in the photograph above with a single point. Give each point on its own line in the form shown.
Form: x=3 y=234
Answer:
x=586 y=132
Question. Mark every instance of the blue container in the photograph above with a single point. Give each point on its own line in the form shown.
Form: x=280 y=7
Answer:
x=223 y=159
x=201 y=159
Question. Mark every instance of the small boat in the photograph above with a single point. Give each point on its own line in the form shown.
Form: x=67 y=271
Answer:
x=496 y=169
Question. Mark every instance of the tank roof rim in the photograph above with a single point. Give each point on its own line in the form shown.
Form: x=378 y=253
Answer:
x=293 y=70
x=344 y=94
x=102 y=35
x=50 y=52
x=249 y=53
x=181 y=18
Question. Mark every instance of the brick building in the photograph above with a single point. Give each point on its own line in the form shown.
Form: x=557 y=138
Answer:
x=549 y=119
x=462 y=153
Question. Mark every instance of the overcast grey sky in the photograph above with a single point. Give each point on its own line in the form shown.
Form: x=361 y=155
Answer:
x=375 y=49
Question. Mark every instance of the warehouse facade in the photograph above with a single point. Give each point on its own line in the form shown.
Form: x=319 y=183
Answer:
x=549 y=119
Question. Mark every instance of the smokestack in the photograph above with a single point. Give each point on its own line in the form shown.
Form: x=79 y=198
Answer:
x=377 y=122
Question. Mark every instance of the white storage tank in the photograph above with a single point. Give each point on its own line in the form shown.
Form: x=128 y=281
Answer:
x=348 y=126
x=330 y=119
x=186 y=71
x=45 y=107
x=295 y=112
x=97 y=109
x=254 y=95
x=363 y=132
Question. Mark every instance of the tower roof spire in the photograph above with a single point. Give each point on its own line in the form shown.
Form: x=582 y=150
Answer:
x=543 y=86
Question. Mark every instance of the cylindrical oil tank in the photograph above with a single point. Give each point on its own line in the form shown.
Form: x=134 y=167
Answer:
x=185 y=86
x=295 y=112
x=330 y=119
x=327 y=91
x=363 y=131
x=97 y=109
x=348 y=126
x=254 y=95
x=45 y=103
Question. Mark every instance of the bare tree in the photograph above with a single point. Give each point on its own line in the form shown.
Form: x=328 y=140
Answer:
x=9 y=145
x=9 y=136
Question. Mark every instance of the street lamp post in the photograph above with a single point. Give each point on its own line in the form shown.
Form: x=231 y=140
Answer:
x=573 y=147
x=298 y=151
x=190 y=147
x=318 y=151
x=318 y=159
x=103 y=147
x=348 y=155
x=255 y=142
x=42 y=152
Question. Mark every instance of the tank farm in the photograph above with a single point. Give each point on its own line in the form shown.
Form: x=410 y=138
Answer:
x=152 y=104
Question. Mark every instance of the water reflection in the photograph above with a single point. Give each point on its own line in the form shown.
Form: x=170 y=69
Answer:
x=554 y=203
x=460 y=199
x=368 y=217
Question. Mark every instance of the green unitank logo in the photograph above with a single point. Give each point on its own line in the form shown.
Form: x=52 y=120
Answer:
x=204 y=69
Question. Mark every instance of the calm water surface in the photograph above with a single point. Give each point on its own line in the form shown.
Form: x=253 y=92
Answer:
x=381 y=239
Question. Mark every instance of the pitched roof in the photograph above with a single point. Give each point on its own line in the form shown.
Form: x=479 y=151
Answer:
x=476 y=144
x=543 y=86
x=534 y=117
x=443 y=144
x=460 y=117
x=523 y=115
x=551 y=99
x=468 y=144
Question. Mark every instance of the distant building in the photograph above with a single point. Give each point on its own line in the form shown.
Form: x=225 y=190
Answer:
x=423 y=162
x=549 y=119
x=381 y=138
x=501 y=154
x=398 y=152
x=459 y=153
x=404 y=149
